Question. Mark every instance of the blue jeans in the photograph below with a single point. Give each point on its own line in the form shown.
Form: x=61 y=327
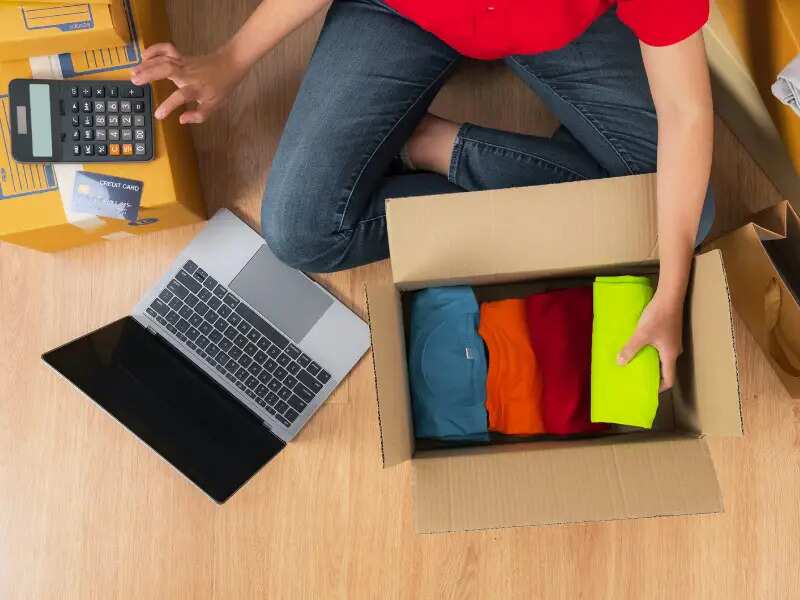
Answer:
x=370 y=81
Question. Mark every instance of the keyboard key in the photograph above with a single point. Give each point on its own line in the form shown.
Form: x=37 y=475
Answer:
x=281 y=406
x=309 y=381
x=291 y=415
x=151 y=312
x=313 y=368
x=192 y=334
x=214 y=302
x=260 y=357
x=234 y=319
x=210 y=283
x=303 y=393
x=224 y=310
x=243 y=327
x=165 y=295
x=252 y=382
x=293 y=368
x=284 y=393
x=75 y=107
x=225 y=344
x=263 y=343
x=271 y=365
x=99 y=106
x=292 y=351
x=125 y=107
x=159 y=306
x=99 y=91
x=274 y=351
x=88 y=149
x=86 y=91
x=138 y=120
x=231 y=332
x=127 y=150
x=245 y=360
x=204 y=294
x=197 y=321
x=113 y=92
x=283 y=360
x=76 y=135
x=102 y=149
x=73 y=91
x=88 y=134
x=114 y=149
x=280 y=373
x=323 y=376
x=290 y=381
x=113 y=121
x=219 y=291
x=242 y=373
x=112 y=106
x=264 y=377
x=138 y=106
x=76 y=150
x=175 y=303
x=185 y=312
x=138 y=135
x=220 y=325
x=192 y=301
x=253 y=335
x=261 y=390
x=188 y=281
x=215 y=336
x=235 y=352
x=126 y=135
x=232 y=365
x=274 y=385
x=261 y=325
x=139 y=149
x=254 y=369
x=86 y=106
x=87 y=121
x=182 y=325
x=205 y=328
x=230 y=300
x=283 y=420
x=251 y=349
x=241 y=341
x=100 y=135
x=203 y=341
x=134 y=91
x=303 y=360
x=296 y=403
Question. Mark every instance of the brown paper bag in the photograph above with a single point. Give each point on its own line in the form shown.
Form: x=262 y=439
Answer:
x=762 y=261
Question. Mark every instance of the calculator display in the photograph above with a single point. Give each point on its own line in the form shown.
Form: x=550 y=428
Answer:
x=41 y=123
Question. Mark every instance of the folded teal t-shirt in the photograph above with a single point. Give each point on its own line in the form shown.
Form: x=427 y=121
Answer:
x=622 y=394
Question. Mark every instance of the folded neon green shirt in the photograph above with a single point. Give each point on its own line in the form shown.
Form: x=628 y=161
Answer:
x=628 y=394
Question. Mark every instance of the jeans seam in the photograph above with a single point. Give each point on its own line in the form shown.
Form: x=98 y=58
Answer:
x=584 y=115
x=534 y=157
x=455 y=157
x=386 y=136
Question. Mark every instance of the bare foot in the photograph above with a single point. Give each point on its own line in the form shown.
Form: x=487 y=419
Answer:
x=431 y=145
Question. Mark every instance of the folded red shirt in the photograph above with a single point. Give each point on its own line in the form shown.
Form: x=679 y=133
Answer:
x=560 y=329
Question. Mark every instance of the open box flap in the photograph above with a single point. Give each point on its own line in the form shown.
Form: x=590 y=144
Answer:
x=510 y=486
x=707 y=397
x=521 y=232
x=391 y=378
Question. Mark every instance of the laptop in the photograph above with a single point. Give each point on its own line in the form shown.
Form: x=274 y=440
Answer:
x=223 y=361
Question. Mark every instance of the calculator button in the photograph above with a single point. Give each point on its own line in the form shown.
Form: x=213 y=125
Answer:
x=139 y=149
x=87 y=106
x=99 y=106
x=113 y=92
x=127 y=135
x=75 y=121
x=99 y=92
x=113 y=149
x=100 y=135
x=125 y=106
x=76 y=135
x=138 y=106
x=88 y=134
x=113 y=135
x=134 y=92
x=76 y=106
x=88 y=149
x=138 y=135
x=126 y=121
x=86 y=91
x=138 y=120
x=127 y=149
x=113 y=120
x=73 y=91
x=112 y=106
x=102 y=149
x=76 y=150
x=100 y=121
x=87 y=120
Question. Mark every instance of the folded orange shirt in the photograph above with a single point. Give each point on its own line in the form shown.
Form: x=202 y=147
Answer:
x=513 y=384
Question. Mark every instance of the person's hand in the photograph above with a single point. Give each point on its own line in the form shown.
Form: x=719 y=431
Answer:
x=660 y=326
x=203 y=81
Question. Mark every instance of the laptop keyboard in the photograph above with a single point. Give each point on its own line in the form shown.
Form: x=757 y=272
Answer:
x=230 y=337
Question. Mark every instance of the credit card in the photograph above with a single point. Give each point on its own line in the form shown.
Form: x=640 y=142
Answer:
x=106 y=196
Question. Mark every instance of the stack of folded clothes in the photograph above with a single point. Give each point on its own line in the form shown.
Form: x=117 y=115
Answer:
x=545 y=364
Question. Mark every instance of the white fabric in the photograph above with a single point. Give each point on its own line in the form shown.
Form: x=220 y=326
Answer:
x=787 y=87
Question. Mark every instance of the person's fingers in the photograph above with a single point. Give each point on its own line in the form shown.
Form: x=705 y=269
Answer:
x=198 y=115
x=668 y=362
x=637 y=341
x=177 y=98
x=161 y=49
x=161 y=67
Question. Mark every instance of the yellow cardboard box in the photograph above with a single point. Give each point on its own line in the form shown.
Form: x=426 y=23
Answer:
x=35 y=28
x=32 y=212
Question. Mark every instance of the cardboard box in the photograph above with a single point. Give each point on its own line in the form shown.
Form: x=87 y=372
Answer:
x=524 y=234
x=35 y=28
x=740 y=101
x=32 y=210
x=763 y=263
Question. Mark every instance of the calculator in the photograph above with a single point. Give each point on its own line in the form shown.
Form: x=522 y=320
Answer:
x=80 y=122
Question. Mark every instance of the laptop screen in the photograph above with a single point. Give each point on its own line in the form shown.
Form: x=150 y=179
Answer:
x=170 y=404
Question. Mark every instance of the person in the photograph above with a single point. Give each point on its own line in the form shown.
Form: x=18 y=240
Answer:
x=627 y=79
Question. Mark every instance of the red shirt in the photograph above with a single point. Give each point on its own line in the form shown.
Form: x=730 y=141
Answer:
x=489 y=29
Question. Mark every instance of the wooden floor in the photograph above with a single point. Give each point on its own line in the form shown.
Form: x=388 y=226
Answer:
x=86 y=511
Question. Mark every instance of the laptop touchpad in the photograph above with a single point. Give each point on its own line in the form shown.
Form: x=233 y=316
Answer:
x=281 y=294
